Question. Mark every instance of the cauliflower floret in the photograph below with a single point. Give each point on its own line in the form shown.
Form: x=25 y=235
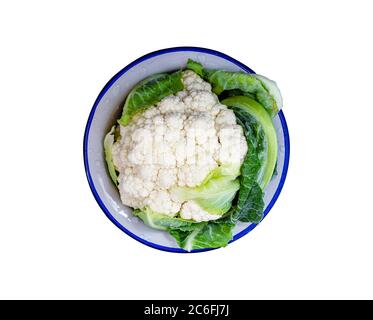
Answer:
x=193 y=82
x=199 y=130
x=182 y=94
x=146 y=172
x=171 y=104
x=192 y=175
x=148 y=114
x=200 y=100
x=192 y=211
x=233 y=144
x=178 y=142
x=225 y=117
x=160 y=201
x=167 y=178
x=133 y=190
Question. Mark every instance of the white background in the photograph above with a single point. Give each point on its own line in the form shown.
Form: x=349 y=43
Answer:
x=317 y=242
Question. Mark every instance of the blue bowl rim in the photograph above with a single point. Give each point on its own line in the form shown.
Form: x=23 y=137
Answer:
x=88 y=126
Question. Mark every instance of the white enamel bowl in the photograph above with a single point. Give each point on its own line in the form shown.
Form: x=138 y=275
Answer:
x=107 y=109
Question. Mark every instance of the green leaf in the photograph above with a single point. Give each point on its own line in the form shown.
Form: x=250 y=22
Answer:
x=216 y=192
x=248 y=83
x=195 y=66
x=272 y=88
x=148 y=92
x=262 y=89
x=250 y=204
x=205 y=235
x=108 y=146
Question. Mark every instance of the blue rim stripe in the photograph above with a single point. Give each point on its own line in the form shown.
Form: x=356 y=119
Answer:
x=88 y=126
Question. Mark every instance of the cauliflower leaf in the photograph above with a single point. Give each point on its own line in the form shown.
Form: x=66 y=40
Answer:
x=205 y=235
x=216 y=193
x=264 y=90
x=196 y=67
x=148 y=92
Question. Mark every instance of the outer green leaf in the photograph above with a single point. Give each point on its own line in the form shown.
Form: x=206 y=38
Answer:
x=272 y=88
x=262 y=89
x=108 y=146
x=205 y=235
x=250 y=204
x=195 y=66
x=224 y=80
x=148 y=92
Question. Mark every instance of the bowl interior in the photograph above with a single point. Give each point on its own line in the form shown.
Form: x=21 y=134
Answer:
x=107 y=110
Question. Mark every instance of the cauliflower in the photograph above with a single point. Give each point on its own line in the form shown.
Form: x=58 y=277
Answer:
x=178 y=152
x=175 y=143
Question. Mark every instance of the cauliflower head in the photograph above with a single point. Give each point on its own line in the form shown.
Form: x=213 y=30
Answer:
x=177 y=143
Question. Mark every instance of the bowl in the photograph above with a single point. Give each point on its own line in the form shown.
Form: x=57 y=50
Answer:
x=107 y=109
